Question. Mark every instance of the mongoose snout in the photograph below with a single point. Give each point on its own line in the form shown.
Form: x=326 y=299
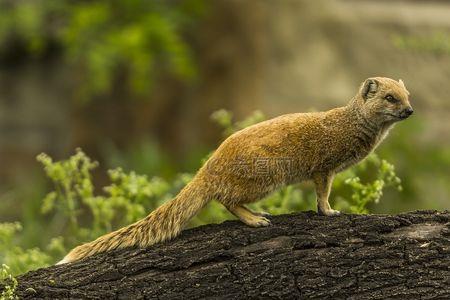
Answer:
x=406 y=112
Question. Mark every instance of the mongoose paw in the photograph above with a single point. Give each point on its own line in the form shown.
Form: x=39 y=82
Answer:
x=330 y=212
x=258 y=221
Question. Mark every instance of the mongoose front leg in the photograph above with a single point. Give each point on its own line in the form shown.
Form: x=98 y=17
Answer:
x=259 y=213
x=323 y=184
x=248 y=217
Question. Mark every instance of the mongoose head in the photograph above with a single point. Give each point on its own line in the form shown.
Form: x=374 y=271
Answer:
x=384 y=100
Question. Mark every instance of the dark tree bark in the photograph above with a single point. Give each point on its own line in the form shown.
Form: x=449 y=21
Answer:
x=301 y=255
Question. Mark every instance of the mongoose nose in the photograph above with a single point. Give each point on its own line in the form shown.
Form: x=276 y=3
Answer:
x=406 y=112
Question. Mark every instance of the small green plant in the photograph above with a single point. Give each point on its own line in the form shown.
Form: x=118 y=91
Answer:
x=286 y=200
x=19 y=260
x=73 y=185
x=371 y=192
x=8 y=283
x=128 y=198
x=363 y=194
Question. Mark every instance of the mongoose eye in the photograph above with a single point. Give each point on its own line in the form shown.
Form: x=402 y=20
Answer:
x=391 y=99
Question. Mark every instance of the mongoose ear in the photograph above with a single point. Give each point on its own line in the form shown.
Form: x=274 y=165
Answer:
x=403 y=85
x=369 y=88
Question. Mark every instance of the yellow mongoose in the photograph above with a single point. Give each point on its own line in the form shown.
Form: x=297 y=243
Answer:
x=256 y=160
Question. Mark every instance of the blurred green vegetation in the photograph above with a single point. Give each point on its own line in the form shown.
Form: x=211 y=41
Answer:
x=76 y=214
x=422 y=165
x=106 y=41
x=436 y=42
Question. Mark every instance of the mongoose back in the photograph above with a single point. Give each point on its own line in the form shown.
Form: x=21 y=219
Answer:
x=259 y=159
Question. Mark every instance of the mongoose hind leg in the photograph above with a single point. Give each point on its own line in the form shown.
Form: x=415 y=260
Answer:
x=323 y=184
x=248 y=217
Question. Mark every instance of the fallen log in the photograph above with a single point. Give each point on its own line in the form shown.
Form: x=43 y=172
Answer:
x=302 y=255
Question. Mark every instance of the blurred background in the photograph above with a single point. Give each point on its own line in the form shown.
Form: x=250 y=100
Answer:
x=134 y=83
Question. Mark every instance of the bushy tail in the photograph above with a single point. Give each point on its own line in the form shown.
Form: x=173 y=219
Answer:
x=160 y=225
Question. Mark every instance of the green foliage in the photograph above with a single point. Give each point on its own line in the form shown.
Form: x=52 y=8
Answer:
x=108 y=42
x=129 y=196
x=286 y=200
x=73 y=185
x=365 y=194
x=19 y=260
x=9 y=284
x=86 y=215
x=127 y=199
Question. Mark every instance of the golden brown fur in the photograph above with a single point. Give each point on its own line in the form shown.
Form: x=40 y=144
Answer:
x=256 y=160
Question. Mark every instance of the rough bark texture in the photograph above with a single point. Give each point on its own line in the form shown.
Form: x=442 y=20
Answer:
x=301 y=255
